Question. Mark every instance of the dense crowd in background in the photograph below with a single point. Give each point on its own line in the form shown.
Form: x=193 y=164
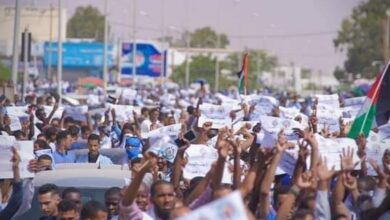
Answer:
x=312 y=191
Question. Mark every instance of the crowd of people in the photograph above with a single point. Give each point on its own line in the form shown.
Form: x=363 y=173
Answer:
x=312 y=191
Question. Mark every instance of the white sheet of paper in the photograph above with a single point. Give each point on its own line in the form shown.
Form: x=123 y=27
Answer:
x=15 y=123
x=200 y=157
x=171 y=130
x=384 y=131
x=124 y=113
x=77 y=112
x=355 y=101
x=219 y=115
x=226 y=208
x=331 y=148
x=25 y=150
x=19 y=111
x=331 y=100
x=57 y=113
x=375 y=148
x=330 y=117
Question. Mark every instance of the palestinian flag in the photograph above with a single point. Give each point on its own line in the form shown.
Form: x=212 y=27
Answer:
x=243 y=75
x=376 y=108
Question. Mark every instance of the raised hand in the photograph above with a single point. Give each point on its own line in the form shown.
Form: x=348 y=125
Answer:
x=323 y=172
x=361 y=142
x=281 y=143
x=346 y=159
x=381 y=174
x=15 y=159
x=350 y=181
x=303 y=150
x=309 y=136
x=305 y=180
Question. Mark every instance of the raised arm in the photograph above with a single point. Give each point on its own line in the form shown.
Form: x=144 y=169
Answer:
x=223 y=151
x=31 y=130
x=304 y=181
x=270 y=173
x=47 y=120
x=132 y=189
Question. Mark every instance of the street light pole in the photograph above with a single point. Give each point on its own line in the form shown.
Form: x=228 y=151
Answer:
x=15 y=45
x=59 y=50
x=162 y=57
x=217 y=72
x=386 y=41
x=188 y=40
x=105 y=72
x=134 y=51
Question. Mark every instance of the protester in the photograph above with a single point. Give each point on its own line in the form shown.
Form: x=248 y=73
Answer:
x=282 y=156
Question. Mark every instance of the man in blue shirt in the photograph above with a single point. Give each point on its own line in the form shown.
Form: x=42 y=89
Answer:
x=61 y=154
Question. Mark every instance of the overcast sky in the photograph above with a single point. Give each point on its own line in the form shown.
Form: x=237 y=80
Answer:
x=299 y=31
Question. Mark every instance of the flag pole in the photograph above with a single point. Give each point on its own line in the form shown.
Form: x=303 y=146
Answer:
x=374 y=95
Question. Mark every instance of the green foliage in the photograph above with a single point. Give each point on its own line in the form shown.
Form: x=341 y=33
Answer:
x=340 y=74
x=207 y=38
x=87 y=22
x=201 y=67
x=361 y=36
x=200 y=38
x=5 y=73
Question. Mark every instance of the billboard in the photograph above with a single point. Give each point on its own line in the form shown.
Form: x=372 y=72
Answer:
x=78 y=54
x=148 y=60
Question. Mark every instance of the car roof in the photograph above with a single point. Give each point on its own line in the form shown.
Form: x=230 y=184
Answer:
x=83 y=177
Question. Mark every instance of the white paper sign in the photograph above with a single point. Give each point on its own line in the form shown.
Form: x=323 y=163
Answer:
x=57 y=113
x=123 y=113
x=330 y=117
x=354 y=101
x=20 y=111
x=332 y=149
x=384 y=131
x=15 y=123
x=77 y=112
x=219 y=115
x=200 y=157
x=165 y=149
x=330 y=100
x=171 y=130
x=375 y=148
x=26 y=152
x=229 y=207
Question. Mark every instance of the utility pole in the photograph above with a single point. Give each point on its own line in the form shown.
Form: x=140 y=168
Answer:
x=105 y=71
x=217 y=71
x=162 y=57
x=188 y=40
x=49 y=73
x=15 y=45
x=26 y=53
x=134 y=54
x=386 y=49
x=59 y=50
x=187 y=73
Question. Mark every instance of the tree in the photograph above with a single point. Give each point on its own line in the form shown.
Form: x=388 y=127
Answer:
x=259 y=61
x=87 y=22
x=362 y=37
x=201 y=67
x=207 y=38
x=5 y=73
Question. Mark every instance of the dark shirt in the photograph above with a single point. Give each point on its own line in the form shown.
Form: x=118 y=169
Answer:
x=14 y=202
x=92 y=158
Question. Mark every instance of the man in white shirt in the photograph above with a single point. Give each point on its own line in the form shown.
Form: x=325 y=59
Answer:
x=151 y=123
x=93 y=155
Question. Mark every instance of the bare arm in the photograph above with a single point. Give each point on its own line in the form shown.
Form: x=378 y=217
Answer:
x=304 y=181
x=132 y=189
